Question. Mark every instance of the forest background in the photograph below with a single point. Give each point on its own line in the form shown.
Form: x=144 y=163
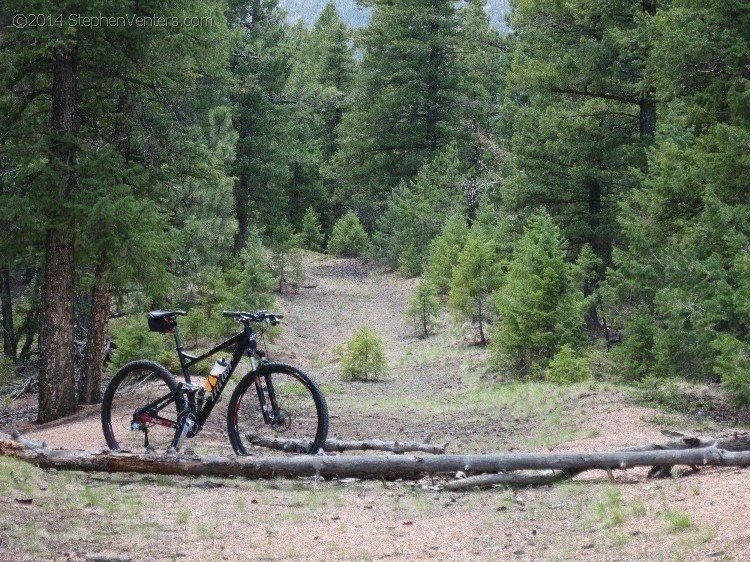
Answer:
x=577 y=180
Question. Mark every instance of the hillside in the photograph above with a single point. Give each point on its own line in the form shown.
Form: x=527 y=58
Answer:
x=357 y=16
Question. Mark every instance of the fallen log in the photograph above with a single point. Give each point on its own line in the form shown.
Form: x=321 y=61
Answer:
x=365 y=466
x=540 y=478
x=340 y=445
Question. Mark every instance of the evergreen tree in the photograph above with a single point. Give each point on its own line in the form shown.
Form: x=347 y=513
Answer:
x=682 y=280
x=475 y=277
x=415 y=213
x=444 y=252
x=364 y=357
x=348 y=238
x=401 y=112
x=581 y=110
x=423 y=309
x=311 y=234
x=99 y=101
x=286 y=263
x=539 y=308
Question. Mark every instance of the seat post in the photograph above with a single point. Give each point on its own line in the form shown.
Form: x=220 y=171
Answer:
x=180 y=347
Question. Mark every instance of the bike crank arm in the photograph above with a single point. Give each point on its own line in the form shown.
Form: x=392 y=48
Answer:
x=187 y=425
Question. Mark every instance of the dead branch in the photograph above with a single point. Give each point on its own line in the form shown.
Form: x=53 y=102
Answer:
x=339 y=446
x=365 y=466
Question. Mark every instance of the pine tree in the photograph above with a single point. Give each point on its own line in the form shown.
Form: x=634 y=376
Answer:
x=415 y=213
x=475 y=277
x=286 y=263
x=581 y=109
x=539 y=309
x=401 y=112
x=348 y=238
x=364 y=357
x=311 y=234
x=682 y=281
x=423 y=309
x=444 y=252
x=104 y=168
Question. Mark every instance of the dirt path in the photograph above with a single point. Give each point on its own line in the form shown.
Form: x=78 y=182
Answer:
x=435 y=390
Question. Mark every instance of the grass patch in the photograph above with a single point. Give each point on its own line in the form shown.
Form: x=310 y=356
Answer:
x=677 y=521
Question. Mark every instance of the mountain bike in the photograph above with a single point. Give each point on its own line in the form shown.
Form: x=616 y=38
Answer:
x=146 y=407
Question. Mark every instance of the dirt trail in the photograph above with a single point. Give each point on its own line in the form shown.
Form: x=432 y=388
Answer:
x=436 y=390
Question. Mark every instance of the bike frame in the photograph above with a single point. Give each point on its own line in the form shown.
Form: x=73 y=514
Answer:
x=244 y=342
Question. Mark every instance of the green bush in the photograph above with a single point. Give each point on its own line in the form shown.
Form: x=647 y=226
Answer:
x=348 y=238
x=134 y=341
x=733 y=366
x=364 y=357
x=566 y=367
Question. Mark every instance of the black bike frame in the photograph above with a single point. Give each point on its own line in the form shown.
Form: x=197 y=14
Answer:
x=244 y=342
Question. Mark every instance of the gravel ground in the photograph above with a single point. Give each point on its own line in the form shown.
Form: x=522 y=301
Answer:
x=693 y=516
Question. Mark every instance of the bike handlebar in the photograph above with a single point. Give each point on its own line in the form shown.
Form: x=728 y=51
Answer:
x=257 y=316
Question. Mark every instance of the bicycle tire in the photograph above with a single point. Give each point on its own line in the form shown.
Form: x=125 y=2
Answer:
x=304 y=427
x=135 y=385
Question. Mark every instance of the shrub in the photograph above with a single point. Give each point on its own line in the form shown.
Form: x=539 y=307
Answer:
x=566 y=367
x=348 y=238
x=364 y=358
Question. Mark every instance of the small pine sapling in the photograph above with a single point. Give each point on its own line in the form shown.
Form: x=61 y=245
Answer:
x=364 y=357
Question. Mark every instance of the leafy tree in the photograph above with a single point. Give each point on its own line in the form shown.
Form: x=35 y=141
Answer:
x=311 y=234
x=348 y=238
x=539 y=308
x=475 y=278
x=423 y=309
x=364 y=357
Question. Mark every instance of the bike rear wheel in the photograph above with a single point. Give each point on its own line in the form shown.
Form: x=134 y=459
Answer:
x=142 y=387
x=296 y=418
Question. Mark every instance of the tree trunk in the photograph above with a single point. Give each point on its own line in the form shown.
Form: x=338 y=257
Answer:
x=369 y=466
x=6 y=314
x=90 y=386
x=57 y=397
x=240 y=208
x=339 y=446
x=647 y=103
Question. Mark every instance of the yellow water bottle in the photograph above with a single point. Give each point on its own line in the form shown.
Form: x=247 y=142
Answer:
x=216 y=371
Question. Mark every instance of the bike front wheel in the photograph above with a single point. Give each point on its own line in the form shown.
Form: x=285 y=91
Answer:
x=277 y=408
x=139 y=409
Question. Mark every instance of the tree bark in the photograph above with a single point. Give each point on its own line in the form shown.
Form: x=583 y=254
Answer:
x=241 y=201
x=57 y=397
x=90 y=387
x=6 y=312
x=339 y=446
x=370 y=466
